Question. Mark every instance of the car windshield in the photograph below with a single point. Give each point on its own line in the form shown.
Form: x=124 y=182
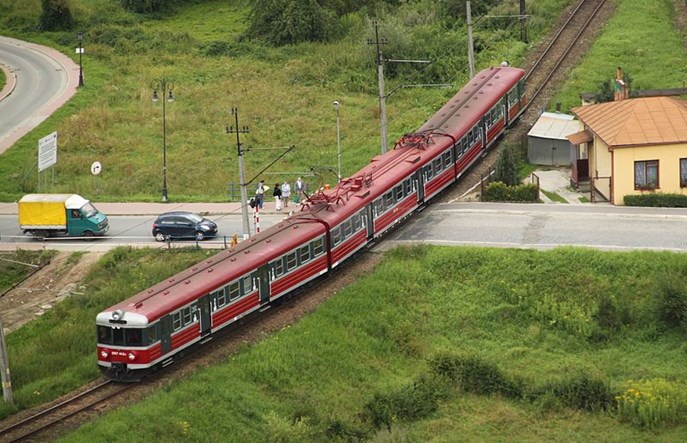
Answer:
x=195 y=218
x=88 y=210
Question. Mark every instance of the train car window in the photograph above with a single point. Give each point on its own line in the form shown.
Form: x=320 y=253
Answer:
x=278 y=267
x=357 y=222
x=437 y=165
x=151 y=334
x=105 y=335
x=234 y=291
x=347 y=229
x=118 y=336
x=291 y=261
x=134 y=337
x=447 y=159
x=377 y=208
x=304 y=252
x=247 y=284
x=389 y=199
x=336 y=236
x=221 y=297
x=398 y=190
x=187 y=315
x=176 y=321
x=318 y=247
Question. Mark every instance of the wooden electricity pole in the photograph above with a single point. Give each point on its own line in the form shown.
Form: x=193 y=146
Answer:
x=5 y=368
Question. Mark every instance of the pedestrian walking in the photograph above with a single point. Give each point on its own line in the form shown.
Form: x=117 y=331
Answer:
x=286 y=193
x=299 y=189
x=276 y=193
x=260 y=193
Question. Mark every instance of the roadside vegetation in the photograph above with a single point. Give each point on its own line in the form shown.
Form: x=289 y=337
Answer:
x=17 y=265
x=55 y=353
x=642 y=39
x=569 y=344
x=284 y=94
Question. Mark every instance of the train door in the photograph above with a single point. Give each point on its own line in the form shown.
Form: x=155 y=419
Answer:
x=205 y=317
x=262 y=276
x=368 y=221
x=166 y=339
x=419 y=184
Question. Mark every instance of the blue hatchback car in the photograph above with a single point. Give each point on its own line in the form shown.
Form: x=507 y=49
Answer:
x=182 y=224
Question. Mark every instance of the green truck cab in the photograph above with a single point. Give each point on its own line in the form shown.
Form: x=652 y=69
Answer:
x=48 y=215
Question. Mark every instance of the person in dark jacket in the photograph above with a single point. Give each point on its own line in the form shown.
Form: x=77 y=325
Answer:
x=277 y=196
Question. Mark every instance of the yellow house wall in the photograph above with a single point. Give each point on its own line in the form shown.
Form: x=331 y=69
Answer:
x=668 y=157
x=600 y=167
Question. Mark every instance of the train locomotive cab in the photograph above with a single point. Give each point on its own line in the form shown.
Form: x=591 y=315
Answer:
x=125 y=344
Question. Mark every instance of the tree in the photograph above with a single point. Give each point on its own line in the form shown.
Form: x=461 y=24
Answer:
x=506 y=170
x=56 y=16
x=286 y=22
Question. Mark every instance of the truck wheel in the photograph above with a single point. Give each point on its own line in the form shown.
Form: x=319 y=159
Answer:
x=41 y=234
x=88 y=234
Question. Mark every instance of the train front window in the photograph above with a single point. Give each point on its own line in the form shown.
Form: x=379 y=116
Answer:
x=134 y=337
x=105 y=335
x=118 y=337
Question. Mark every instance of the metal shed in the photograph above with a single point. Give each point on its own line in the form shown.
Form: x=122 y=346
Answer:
x=547 y=143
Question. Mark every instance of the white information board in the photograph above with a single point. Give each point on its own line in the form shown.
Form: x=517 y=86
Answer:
x=47 y=151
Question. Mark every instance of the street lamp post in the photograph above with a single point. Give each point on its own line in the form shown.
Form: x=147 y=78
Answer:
x=338 y=137
x=165 y=88
x=79 y=37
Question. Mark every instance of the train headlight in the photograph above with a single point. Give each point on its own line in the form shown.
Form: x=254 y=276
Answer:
x=132 y=356
x=104 y=354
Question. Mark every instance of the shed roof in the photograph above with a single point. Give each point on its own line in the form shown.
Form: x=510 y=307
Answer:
x=637 y=121
x=554 y=126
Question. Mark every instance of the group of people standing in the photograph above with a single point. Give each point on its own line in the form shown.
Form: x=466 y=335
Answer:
x=281 y=193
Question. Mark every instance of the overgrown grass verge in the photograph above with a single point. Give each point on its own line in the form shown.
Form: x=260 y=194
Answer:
x=54 y=354
x=15 y=266
x=463 y=343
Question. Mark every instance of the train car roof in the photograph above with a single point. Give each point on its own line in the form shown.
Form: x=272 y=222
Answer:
x=218 y=270
x=473 y=100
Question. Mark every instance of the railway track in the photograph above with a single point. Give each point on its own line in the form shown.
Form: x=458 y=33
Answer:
x=548 y=68
x=36 y=426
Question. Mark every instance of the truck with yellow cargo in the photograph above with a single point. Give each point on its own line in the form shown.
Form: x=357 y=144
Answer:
x=48 y=215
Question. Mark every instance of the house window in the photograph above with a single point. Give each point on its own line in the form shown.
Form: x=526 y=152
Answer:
x=683 y=172
x=646 y=174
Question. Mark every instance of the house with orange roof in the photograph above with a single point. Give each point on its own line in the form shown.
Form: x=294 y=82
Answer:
x=634 y=146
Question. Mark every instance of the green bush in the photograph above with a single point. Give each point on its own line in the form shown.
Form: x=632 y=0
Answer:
x=287 y=22
x=672 y=305
x=56 y=16
x=413 y=402
x=657 y=200
x=651 y=403
x=474 y=375
x=500 y=192
x=583 y=392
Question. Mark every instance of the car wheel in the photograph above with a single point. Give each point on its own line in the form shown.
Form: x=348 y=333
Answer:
x=87 y=234
x=199 y=236
x=159 y=236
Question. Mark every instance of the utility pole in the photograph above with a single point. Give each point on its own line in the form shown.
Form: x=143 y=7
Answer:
x=523 y=18
x=380 y=77
x=242 y=180
x=471 y=54
x=5 y=368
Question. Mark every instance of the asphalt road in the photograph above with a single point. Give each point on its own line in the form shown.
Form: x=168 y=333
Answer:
x=44 y=81
x=537 y=226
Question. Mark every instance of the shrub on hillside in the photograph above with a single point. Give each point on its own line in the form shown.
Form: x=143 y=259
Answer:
x=672 y=305
x=582 y=392
x=56 y=16
x=474 y=375
x=506 y=168
x=287 y=22
x=657 y=200
x=651 y=403
x=413 y=402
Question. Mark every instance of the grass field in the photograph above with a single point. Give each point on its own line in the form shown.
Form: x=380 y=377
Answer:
x=451 y=344
x=16 y=266
x=284 y=95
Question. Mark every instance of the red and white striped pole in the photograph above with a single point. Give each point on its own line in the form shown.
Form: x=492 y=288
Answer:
x=256 y=219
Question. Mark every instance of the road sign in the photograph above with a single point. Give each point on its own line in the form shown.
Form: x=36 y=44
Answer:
x=47 y=151
x=96 y=167
x=79 y=50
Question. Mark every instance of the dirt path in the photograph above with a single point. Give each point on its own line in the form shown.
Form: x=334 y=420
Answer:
x=41 y=291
